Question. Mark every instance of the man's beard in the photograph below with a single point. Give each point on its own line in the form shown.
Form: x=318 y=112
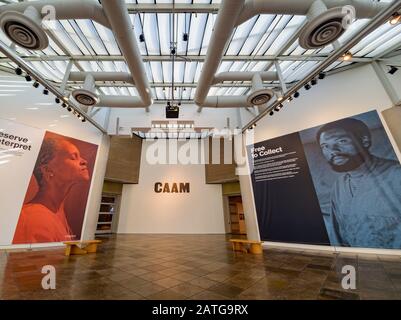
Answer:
x=354 y=161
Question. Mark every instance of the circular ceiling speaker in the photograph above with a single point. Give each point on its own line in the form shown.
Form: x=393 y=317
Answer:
x=85 y=97
x=323 y=29
x=260 y=97
x=23 y=30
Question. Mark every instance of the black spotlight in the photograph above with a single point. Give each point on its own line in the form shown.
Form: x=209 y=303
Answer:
x=45 y=92
x=83 y=120
x=277 y=109
x=307 y=86
x=313 y=82
x=322 y=75
x=393 y=70
x=271 y=113
x=28 y=78
x=36 y=84
x=296 y=94
x=57 y=100
x=64 y=105
x=69 y=109
x=185 y=37
x=142 y=37
x=18 y=71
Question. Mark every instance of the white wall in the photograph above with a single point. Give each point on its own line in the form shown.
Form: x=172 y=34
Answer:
x=22 y=103
x=145 y=211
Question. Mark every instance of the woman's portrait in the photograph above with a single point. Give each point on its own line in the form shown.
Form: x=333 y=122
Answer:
x=55 y=202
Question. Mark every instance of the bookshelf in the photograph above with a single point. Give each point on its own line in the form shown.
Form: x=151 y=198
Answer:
x=108 y=209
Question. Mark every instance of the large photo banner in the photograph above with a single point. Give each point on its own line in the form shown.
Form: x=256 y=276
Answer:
x=45 y=182
x=336 y=184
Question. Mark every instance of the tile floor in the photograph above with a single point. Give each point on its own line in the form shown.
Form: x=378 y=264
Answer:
x=195 y=267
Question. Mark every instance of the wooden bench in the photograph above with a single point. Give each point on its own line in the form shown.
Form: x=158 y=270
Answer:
x=81 y=247
x=255 y=247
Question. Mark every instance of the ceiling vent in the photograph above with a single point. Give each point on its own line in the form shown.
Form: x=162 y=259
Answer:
x=24 y=29
x=260 y=97
x=86 y=95
x=324 y=26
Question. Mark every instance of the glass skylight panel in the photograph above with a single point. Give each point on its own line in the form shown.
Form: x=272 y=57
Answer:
x=180 y=20
x=386 y=36
x=396 y=40
x=70 y=43
x=157 y=71
x=121 y=66
x=132 y=91
x=190 y=71
x=148 y=71
x=198 y=23
x=237 y=65
x=198 y=71
x=224 y=66
x=292 y=25
x=164 y=29
x=256 y=34
x=352 y=30
x=167 y=71
x=208 y=33
x=106 y=35
x=178 y=71
x=373 y=38
x=159 y=93
x=151 y=33
x=278 y=25
x=240 y=36
x=92 y=36
x=259 y=66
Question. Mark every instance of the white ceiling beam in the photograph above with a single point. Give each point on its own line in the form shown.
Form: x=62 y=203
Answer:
x=169 y=8
x=189 y=58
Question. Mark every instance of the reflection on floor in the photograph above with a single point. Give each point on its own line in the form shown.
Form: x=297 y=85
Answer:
x=195 y=267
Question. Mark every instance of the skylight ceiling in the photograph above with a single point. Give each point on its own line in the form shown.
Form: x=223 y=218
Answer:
x=253 y=47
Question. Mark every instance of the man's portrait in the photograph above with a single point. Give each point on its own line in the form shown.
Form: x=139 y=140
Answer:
x=55 y=203
x=357 y=178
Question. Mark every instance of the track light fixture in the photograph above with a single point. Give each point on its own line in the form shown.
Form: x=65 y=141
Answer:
x=393 y=70
x=36 y=84
x=18 y=71
x=278 y=108
x=28 y=78
x=313 y=82
x=307 y=86
x=271 y=113
x=45 y=92
x=395 y=18
x=57 y=100
x=296 y=94
x=83 y=119
x=64 y=105
x=347 y=56
x=69 y=109
x=185 y=37
x=142 y=37
x=290 y=99
x=322 y=75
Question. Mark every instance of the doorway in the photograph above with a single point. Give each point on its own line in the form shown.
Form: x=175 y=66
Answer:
x=237 y=216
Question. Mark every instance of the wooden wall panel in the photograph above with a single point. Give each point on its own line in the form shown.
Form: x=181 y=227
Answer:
x=124 y=159
x=220 y=173
x=393 y=120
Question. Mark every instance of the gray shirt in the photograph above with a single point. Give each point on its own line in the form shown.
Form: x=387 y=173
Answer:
x=366 y=205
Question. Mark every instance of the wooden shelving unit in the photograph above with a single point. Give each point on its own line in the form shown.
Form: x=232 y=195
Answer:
x=107 y=211
x=237 y=217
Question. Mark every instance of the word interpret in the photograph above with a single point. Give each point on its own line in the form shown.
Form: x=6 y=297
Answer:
x=13 y=141
x=172 y=188
x=262 y=152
